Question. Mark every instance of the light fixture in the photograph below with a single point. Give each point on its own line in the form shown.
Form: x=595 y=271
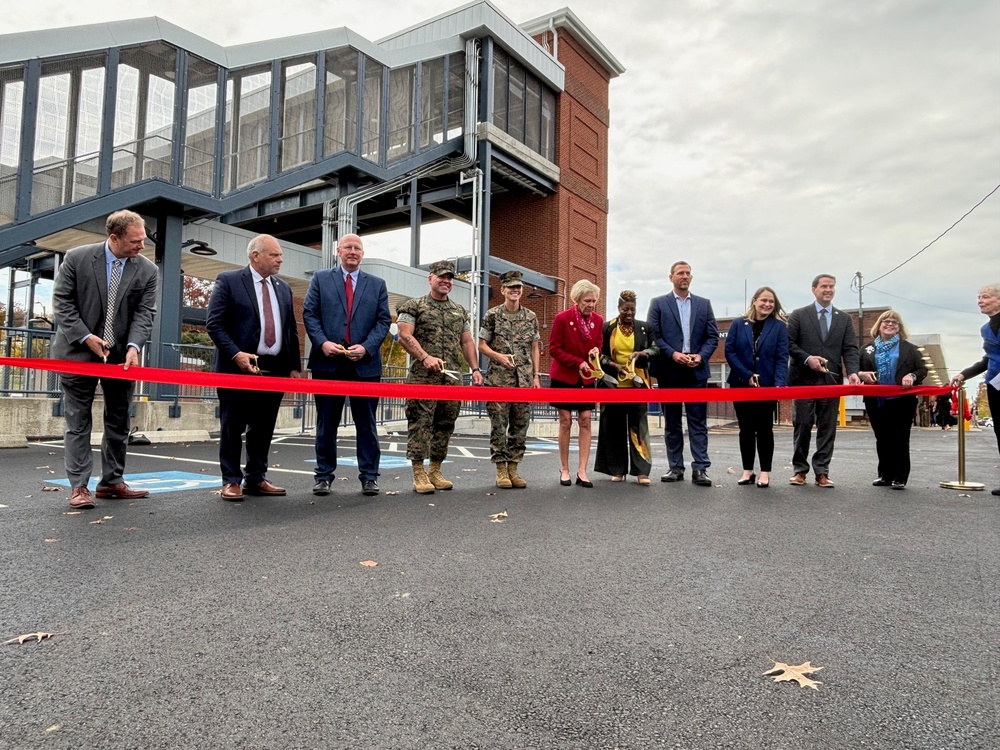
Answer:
x=198 y=247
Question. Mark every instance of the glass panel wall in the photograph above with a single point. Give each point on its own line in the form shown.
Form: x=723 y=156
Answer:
x=432 y=88
x=340 y=105
x=199 y=133
x=523 y=107
x=67 y=132
x=248 y=127
x=401 y=110
x=533 y=114
x=144 y=114
x=500 y=87
x=371 y=120
x=298 y=114
x=456 y=94
x=11 y=103
x=548 y=132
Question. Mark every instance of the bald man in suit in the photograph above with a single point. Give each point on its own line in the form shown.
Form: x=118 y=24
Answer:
x=104 y=302
x=251 y=320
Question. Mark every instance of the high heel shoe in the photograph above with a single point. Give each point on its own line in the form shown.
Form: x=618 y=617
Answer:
x=765 y=485
x=583 y=482
x=567 y=482
x=749 y=480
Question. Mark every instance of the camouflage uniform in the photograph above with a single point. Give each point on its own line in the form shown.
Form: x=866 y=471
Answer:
x=438 y=326
x=514 y=334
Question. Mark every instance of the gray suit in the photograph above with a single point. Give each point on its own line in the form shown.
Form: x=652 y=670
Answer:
x=79 y=298
x=840 y=349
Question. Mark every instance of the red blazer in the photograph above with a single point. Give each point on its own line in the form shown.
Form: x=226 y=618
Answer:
x=566 y=346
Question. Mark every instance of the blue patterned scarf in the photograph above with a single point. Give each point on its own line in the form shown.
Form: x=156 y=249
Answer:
x=883 y=359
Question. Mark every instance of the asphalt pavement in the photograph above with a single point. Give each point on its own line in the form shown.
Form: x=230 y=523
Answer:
x=614 y=617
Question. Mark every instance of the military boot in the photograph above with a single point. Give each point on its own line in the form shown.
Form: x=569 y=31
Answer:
x=503 y=481
x=421 y=483
x=437 y=478
x=516 y=481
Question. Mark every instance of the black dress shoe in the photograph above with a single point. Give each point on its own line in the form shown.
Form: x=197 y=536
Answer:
x=897 y=485
x=701 y=479
x=749 y=480
x=583 y=482
x=322 y=487
x=880 y=482
x=674 y=475
x=369 y=487
x=995 y=492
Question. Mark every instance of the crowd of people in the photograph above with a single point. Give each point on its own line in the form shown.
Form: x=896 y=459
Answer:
x=104 y=301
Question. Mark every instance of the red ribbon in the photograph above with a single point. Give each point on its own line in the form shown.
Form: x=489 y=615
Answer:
x=467 y=392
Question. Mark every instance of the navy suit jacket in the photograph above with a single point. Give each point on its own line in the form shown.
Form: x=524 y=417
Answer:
x=324 y=314
x=804 y=341
x=665 y=321
x=234 y=322
x=771 y=359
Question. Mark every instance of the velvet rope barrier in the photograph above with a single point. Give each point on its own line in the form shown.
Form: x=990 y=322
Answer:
x=463 y=393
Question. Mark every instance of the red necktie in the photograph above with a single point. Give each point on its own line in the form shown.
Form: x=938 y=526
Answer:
x=349 y=293
x=269 y=337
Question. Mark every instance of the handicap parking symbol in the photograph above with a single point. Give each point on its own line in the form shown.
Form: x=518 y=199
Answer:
x=159 y=482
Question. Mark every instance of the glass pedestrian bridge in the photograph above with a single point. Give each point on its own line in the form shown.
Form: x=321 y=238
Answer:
x=144 y=114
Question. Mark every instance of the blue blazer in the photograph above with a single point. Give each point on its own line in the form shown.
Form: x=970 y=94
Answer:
x=771 y=359
x=665 y=321
x=233 y=322
x=324 y=314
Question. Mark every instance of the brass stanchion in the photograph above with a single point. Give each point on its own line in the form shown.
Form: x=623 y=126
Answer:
x=961 y=484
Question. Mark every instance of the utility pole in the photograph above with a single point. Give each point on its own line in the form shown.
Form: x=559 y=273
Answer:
x=859 y=279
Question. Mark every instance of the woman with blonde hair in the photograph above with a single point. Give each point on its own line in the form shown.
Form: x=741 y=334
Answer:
x=757 y=353
x=574 y=341
x=891 y=360
x=623 y=442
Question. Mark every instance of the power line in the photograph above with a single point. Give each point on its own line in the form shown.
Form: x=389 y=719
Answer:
x=936 y=238
x=919 y=302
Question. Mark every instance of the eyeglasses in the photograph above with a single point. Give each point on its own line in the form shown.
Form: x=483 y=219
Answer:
x=890 y=322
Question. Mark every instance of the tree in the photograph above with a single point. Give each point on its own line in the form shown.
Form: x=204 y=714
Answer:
x=197 y=292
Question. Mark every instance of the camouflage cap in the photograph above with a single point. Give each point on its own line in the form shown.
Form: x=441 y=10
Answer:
x=511 y=278
x=442 y=268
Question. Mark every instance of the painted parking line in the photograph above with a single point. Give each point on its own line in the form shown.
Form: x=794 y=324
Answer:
x=160 y=482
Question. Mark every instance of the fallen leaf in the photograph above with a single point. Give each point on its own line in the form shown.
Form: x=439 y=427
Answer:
x=54 y=728
x=498 y=516
x=51 y=472
x=20 y=639
x=51 y=489
x=53 y=540
x=491 y=493
x=369 y=563
x=392 y=492
x=72 y=512
x=469 y=469
x=108 y=518
x=41 y=467
x=99 y=520
x=781 y=672
x=730 y=470
x=131 y=528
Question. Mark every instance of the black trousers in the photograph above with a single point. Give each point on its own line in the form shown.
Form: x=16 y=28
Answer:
x=756 y=420
x=891 y=421
x=252 y=412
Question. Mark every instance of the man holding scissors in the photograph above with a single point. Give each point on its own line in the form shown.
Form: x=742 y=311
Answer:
x=252 y=323
x=820 y=337
x=435 y=332
x=104 y=300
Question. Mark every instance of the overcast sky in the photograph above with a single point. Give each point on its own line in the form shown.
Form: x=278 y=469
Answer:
x=763 y=141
